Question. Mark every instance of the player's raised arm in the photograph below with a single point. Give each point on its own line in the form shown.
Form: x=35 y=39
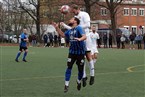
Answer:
x=65 y=25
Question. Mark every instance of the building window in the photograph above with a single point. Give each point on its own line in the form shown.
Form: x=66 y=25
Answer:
x=126 y=11
x=141 y=11
x=126 y=27
x=103 y=11
x=134 y=12
x=134 y=29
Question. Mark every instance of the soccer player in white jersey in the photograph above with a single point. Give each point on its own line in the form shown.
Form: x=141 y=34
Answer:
x=94 y=36
x=85 y=24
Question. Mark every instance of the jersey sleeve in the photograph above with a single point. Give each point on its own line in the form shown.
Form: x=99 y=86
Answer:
x=80 y=30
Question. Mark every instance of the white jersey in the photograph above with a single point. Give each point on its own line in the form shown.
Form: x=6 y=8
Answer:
x=94 y=37
x=84 y=20
x=85 y=24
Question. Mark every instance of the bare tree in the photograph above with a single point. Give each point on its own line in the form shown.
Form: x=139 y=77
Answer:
x=32 y=7
x=112 y=6
x=89 y=4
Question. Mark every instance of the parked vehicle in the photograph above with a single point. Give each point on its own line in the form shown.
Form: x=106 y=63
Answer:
x=4 y=38
x=13 y=39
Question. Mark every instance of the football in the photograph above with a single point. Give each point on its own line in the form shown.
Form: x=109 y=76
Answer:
x=65 y=9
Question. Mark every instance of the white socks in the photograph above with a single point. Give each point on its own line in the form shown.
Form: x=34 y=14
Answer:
x=95 y=60
x=67 y=83
x=91 y=65
x=84 y=72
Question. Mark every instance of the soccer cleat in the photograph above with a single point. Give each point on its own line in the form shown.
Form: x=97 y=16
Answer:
x=24 y=60
x=78 y=86
x=16 y=60
x=91 y=80
x=84 y=81
x=66 y=88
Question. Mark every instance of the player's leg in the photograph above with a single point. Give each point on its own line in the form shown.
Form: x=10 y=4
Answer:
x=70 y=62
x=91 y=65
x=80 y=63
x=18 y=54
x=95 y=55
x=25 y=54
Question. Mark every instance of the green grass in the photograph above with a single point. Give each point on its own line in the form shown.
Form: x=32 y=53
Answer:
x=43 y=74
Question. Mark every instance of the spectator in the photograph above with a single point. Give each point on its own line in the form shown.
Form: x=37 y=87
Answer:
x=55 y=41
x=59 y=40
x=105 y=40
x=144 y=40
x=138 y=40
x=110 y=40
x=34 y=42
x=62 y=42
x=122 y=39
x=51 y=39
x=45 y=38
x=118 y=40
x=132 y=40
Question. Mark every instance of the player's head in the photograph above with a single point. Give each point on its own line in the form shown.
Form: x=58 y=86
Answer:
x=75 y=9
x=25 y=30
x=94 y=28
x=74 y=21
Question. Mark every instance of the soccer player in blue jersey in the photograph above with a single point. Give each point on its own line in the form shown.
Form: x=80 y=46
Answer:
x=76 y=54
x=23 y=46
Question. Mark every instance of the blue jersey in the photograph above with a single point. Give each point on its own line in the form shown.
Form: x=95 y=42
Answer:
x=76 y=47
x=23 y=43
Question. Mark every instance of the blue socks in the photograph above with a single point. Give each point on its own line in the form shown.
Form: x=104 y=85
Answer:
x=67 y=74
x=80 y=75
x=18 y=55
x=24 y=56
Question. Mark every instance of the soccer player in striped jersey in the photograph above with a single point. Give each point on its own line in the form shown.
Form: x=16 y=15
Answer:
x=85 y=24
x=23 y=46
x=76 y=54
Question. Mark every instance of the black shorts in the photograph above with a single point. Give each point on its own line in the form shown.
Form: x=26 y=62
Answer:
x=72 y=58
x=88 y=51
x=23 y=48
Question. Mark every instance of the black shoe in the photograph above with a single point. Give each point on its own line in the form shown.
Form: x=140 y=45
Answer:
x=24 y=60
x=66 y=88
x=78 y=86
x=91 y=80
x=16 y=60
x=84 y=81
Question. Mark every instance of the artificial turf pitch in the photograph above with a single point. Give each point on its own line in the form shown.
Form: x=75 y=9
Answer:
x=118 y=73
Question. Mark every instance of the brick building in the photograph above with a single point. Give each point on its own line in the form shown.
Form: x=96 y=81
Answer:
x=130 y=15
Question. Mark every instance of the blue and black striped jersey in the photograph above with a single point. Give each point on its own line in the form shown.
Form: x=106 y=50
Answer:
x=76 y=47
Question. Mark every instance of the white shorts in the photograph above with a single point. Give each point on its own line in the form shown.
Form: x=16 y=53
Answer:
x=88 y=43
x=94 y=50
